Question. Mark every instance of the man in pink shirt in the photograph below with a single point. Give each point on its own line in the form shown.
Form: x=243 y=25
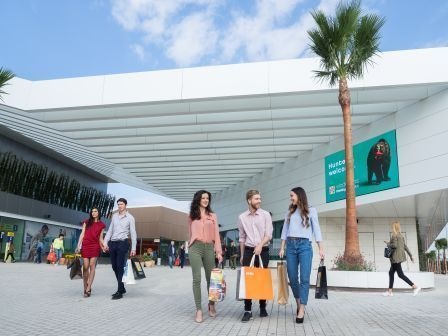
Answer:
x=255 y=231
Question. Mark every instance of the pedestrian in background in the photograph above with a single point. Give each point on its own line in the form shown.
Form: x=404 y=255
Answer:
x=204 y=242
x=398 y=256
x=90 y=244
x=171 y=254
x=233 y=252
x=301 y=223
x=58 y=246
x=10 y=253
x=116 y=241
x=39 y=250
x=182 y=255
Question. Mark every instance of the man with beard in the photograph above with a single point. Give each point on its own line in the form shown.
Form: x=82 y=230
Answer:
x=255 y=231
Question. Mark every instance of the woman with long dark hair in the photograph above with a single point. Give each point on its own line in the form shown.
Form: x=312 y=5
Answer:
x=204 y=242
x=90 y=244
x=301 y=223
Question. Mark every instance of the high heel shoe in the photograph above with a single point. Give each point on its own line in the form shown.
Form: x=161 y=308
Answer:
x=198 y=317
x=300 y=319
x=211 y=310
x=85 y=294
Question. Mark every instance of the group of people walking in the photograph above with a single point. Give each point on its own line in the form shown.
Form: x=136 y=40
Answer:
x=255 y=233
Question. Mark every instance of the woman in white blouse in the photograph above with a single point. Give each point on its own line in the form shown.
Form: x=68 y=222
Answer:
x=301 y=222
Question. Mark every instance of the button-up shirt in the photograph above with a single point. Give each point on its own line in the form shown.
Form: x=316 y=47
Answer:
x=205 y=230
x=295 y=227
x=254 y=227
x=120 y=227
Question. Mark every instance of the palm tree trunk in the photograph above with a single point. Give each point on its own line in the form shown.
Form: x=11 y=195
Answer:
x=351 y=226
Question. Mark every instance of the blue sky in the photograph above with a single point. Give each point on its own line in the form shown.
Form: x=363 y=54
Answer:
x=69 y=38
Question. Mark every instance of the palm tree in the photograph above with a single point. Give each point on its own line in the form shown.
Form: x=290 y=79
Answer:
x=441 y=244
x=5 y=76
x=346 y=45
x=431 y=258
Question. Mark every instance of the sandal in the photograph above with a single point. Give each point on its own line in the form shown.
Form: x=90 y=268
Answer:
x=211 y=310
x=198 y=317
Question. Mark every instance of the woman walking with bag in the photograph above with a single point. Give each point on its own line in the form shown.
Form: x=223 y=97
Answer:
x=301 y=223
x=399 y=247
x=91 y=243
x=204 y=242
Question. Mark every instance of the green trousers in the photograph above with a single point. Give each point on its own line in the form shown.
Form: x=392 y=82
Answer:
x=201 y=255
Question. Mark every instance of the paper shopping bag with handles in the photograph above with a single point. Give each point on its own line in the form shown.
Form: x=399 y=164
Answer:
x=217 y=290
x=137 y=269
x=258 y=282
x=76 y=269
x=321 y=283
x=128 y=274
x=283 y=290
x=240 y=285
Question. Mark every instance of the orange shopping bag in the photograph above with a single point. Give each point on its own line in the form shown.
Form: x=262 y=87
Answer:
x=258 y=282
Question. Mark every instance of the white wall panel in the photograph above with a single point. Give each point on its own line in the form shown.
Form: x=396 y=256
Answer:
x=143 y=87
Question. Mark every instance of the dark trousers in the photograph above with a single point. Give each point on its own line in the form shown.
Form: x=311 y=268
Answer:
x=12 y=256
x=396 y=267
x=118 y=256
x=247 y=257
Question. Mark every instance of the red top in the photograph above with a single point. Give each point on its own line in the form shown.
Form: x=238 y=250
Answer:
x=91 y=242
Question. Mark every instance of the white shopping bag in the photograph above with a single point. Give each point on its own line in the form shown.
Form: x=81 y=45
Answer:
x=240 y=285
x=128 y=274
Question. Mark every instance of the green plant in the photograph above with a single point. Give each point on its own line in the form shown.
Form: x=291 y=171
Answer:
x=343 y=262
x=146 y=257
x=441 y=244
x=5 y=76
x=346 y=44
x=32 y=180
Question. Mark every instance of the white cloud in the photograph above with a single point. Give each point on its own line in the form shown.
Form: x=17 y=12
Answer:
x=189 y=31
x=139 y=50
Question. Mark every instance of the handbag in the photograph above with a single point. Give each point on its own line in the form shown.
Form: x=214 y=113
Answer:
x=258 y=281
x=51 y=256
x=137 y=268
x=217 y=290
x=177 y=262
x=283 y=290
x=388 y=251
x=321 y=282
x=76 y=269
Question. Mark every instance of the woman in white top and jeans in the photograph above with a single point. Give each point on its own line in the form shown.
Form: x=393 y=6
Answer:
x=301 y=223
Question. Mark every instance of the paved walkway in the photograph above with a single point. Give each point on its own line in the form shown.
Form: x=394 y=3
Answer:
x=41 y=300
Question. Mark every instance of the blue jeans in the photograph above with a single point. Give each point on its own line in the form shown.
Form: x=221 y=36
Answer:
x=299 y=253
x=58 y=254
x=170 y=261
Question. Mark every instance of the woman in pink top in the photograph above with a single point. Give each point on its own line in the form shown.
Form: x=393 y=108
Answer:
x=204 y=243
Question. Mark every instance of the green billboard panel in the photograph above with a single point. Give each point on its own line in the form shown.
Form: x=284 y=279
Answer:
x=376 y=167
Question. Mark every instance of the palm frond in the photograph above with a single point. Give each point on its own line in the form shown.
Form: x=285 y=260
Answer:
x=5 y=76
x=346 y=42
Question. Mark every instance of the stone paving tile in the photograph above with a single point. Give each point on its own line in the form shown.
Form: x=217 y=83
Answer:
x=41 y=300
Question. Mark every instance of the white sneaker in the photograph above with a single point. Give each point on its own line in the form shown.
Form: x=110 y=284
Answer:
x=387 y=293
x=416 y=290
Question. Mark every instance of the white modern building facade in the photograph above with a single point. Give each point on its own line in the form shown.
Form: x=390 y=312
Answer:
x=266 y=126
